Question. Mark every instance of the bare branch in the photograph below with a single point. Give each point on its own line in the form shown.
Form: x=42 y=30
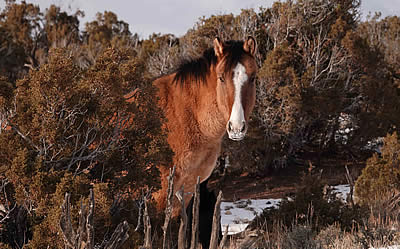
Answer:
x=147 y=227
x=84 y=237
x=350 y=180
x=195 y=221
x=119 y=236
x=168 y=210
x=223 y=241
x=216 y=222
x=68 y=231
x=5 y=210
x=183 y=225
x=89 y=221
x=24 y=137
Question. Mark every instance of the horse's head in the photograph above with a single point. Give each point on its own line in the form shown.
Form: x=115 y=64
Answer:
x=236 y=70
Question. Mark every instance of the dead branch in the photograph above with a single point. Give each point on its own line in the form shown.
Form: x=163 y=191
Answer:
x=351 y=183
x=183 y=225
x=89 y=221
x=195 y=222
x=216 y=222
x=147 y=227
x=224 y=238
x=120 y=235
x=168 y=210
x=84 y=236
x=81 y=233
x=5 y=209
x=140 y=205
x=68 y=231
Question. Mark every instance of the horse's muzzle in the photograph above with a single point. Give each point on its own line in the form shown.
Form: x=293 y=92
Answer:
x=236 y=131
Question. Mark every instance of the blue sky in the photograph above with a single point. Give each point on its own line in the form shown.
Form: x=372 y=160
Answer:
x=177 y=16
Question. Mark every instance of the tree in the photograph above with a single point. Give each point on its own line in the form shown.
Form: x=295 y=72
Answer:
x=161 y=54
x=74 y=129
x=384 y=35
x=104 y=32
x=316 y=84
x=20 y=38
x=61 y=28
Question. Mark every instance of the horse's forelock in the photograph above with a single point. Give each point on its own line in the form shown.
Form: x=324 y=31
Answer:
x=234 y=52
x=196 y=70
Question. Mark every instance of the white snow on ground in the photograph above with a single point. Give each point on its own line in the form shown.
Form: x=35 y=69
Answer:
x=239 y=214
x=342 y=191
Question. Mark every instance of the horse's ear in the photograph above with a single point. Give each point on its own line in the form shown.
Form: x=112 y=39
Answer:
x=250 y=45
x=218 y=47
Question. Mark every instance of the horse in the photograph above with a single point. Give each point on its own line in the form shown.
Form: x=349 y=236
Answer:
x=204 y=98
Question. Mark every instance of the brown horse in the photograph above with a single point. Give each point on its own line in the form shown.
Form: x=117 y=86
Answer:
x=201 y=100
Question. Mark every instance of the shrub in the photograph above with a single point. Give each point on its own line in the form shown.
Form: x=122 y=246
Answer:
x=73 y=130
x=382 y=172
x=315 y=205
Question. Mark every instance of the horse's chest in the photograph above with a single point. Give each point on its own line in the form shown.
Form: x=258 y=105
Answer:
x=199 y=162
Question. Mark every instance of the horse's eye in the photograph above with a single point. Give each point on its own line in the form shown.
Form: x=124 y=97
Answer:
x=252 y=78
x=221 y=79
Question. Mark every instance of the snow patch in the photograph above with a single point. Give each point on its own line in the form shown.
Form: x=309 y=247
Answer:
x=341 y=191
x=239 y=214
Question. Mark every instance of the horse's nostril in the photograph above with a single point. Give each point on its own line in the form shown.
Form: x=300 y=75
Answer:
x=243 y=127
x=230 y=126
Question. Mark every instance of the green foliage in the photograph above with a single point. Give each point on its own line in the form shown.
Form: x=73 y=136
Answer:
x=382 y=173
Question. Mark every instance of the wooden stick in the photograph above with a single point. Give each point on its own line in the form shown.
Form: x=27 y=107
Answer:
x=223 y=241
x=183 y=225
x=119 y=236
x=168 y=209
x=147 y=226
x=68 y=231
x=89 y=221
x=82 y=227
x=195 y=215
x=216 y=223
x=84 y=237
x=351 y=183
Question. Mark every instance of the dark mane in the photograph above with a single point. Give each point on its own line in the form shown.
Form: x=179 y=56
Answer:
x=196 y=70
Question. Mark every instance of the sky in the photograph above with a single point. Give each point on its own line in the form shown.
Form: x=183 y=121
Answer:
x=177 y=16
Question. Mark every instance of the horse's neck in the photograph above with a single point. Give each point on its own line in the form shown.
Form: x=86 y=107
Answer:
x=197 y=102
x=209 y=117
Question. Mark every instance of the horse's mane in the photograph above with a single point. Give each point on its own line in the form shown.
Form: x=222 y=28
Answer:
x=196 y=70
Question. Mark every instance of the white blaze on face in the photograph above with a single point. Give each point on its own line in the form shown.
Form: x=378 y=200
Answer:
x=237 y=120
